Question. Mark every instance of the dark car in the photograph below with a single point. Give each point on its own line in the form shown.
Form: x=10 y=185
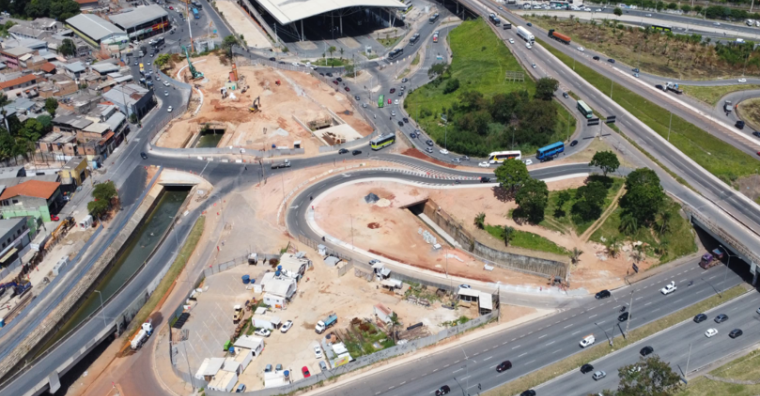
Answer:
x=429 y=143
x=646 y=350
x=735 y=333
x=565 y=95
x=274 y=59
x=339 y=79
x=406 y=120
x=596 y=58
x=442 y=390
x=503 y=366
x=143 y=155
x=611 y=60
x=721 y=318
x=393 y=90
x=529 y=392
x=356 y=97
x=335 y=82
x=530 y=24
x=756 y=133
x=329 y=74
x=401 y=123
x=347 y=89
x=603 y=294
x=484 y=179
x=739 y=124
x=700 y=318
x=587 y=368
x=356 y=152
x=342 y=151
x=636 y=70
x=322 y=74
x=623 y=317
x=413 y=135
x=573 y=143
x=658 y=86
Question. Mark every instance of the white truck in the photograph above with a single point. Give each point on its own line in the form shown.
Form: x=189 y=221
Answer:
x=146 y=330
x=525 y=34
x=587 y=340
x=727 y=106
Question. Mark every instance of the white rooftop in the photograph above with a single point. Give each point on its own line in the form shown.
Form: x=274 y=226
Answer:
x=249 y=342
x=287 y=11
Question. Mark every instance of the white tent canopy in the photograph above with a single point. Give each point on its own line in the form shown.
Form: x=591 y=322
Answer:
x=287 y=11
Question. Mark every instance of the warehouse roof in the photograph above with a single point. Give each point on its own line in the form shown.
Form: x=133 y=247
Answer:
x=138 y=16
x=93 y=26
x=287 y=11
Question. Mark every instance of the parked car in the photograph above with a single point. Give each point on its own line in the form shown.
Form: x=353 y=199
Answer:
x=54 y=218
x=317 y=352
x=263 y=333
x=339 y=79
x=356 y=152
x=240 y=388
x=335 y=82
x=287 y=325
x=305 y=372
x=342 y=151
x=322 y=366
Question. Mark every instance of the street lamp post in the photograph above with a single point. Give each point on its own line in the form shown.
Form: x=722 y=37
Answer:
x=630 y=313
x=728 y=264
x=605 y=333
x=101 y=307
x=670 y=124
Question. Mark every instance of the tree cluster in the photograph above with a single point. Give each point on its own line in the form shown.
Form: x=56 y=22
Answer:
x=735 y=54
x=57 y=9
x=104 y=194
x=17 y=138
x=649 y=377
x=589 y=201
x=643 y=200
x=479 y=125
x=531 y=194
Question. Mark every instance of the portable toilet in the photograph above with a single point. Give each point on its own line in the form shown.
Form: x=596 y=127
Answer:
x=246 y=279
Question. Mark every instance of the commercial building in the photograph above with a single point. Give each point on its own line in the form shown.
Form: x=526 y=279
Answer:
x=31 y=198
x=15 y=237
x=131 y=99
x=293 y=265
x=96 y=30
x=142 y=22
x=73 y=173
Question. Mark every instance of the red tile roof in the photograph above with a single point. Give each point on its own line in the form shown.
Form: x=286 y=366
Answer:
x=31 y=188
x=17 y=81
x=48 y=67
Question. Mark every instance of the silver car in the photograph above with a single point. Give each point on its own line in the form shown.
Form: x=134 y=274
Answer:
x=599 y=375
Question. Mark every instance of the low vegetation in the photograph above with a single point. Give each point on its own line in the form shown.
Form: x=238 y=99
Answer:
x=524 y=239
x=667 y=54
x=750 y=112
x=472 y=108
x=716 y=156
x=712 y=94
x=577 y=209
x=745 y=368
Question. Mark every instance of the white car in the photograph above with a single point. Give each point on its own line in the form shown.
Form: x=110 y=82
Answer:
x=669 y=288
x=587 y=340
x=528 y=162
x=511 y=41
x=169 y=109
x=318 y=352
x=580 y=49
x=393 y=113
x=742 y=80
x=443 y=151
x=711 y=332
x=587 y=9
x=395 y=101
x=166 y=93
x=598 y=10
x=533 y=65
x=166 y=83
x=263 y=333
x=285 y=327
x=485 y=164
x=528 y=46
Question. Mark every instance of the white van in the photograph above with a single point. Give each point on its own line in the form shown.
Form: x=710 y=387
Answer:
x=528 y=46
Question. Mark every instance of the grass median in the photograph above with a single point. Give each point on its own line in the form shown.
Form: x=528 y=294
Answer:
x=711 y=94
x=716 y=156
x=176 y=268
x=745 y=368
x=602 y=348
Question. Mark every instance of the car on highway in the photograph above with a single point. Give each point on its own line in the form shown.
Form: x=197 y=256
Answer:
x=166 y=83
x=739 y=124
x=429 y=150
x=669 y=288
x=610 y=60
x=143 y=155
x=596 y=57
x=406 y=120
x=716 y=23
x=528 y=46
x=735 y=333
x=623 y=317
x=364 y=105
x=599 y=375
x=305 y=372
x=721 y=318
x=287 y=325
x=587 y=9
x=317 y=352
x=339 y=79
x=528 y=162
x=533 y=65
x=529 y=392
x=756 y=134
x=646 y=350
x=660 y=87
x=573 y=143
x=166 y=93
x=429 y=143
x=356 y=152
x=347 y=89
x=403 y=80
x=401 y=123
x=137 y=63
x=700 y=318
x=390 y=101
x=442 y=390
x=635 y=70
x=587 y=340
x=598 y=10
x=393 y=90
x=328 y=74
x=484 y=164
x=356 y=97
x=342 y=151
x=395 y=101
x=530 y=24
x=169 y=110
x=393 y=112
x=581 y=49
x=587 y=368
x=443 y=151
x=335 y=82
x=649 y=15
x=603 y=294
x=273 y=59
x=511 y=41
x=503 y=366
x=484 y=179
x=742 y=80
x=263 y=333
x=711 y=332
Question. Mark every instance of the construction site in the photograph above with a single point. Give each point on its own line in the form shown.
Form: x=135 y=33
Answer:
x=259 y=107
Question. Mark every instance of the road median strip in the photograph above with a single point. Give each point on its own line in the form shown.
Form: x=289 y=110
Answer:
x=602 y=349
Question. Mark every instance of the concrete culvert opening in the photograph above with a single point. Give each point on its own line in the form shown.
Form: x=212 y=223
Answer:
x=371 y=198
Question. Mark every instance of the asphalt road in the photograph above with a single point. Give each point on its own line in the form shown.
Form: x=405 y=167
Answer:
x=685 y=346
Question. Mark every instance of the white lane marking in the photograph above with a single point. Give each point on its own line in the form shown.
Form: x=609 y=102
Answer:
x=513 y=348
x=647 y=304
x=576 y=332
x=570 y=325
x=523 y=354
x=542 y=336
x=551 y=343
x=487 y=358
x=461 y=369
x=402 y=383
x=592 y=316
x=558 y=350
x=601 y=322
x=639 y=298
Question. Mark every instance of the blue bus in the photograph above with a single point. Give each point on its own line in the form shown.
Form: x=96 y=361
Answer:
x=549 y=152
x=196 y=14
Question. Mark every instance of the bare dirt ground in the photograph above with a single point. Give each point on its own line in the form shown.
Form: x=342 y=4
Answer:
x=393 y=232
x=298 y=95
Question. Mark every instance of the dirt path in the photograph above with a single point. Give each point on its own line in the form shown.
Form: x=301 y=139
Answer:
x=598 y=223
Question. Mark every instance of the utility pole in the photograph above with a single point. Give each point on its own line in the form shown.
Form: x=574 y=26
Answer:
x=670 y=124
x=630 y=313
x=687 y=362
x=728 y=264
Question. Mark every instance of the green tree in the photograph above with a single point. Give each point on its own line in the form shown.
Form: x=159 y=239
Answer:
x=644 y=196
x=67 y=48
x=97 y=208
x=545 y=88
x=606 y=160
x=618 y=11
x=628 y=223
x=331 y=49
x=562 y=198
x=436 y=69
x=451 y=86
x=589 y=200
x=105 y=191
x=649 y=377
x=533 y=197
x=685 y=8
x=509 y=234
x=162 y=60
x=51 y=105
x=512 y=173
x=227 y=43
x=664 y=218
x=698 y=9
x=672 y=6
x=480 y=220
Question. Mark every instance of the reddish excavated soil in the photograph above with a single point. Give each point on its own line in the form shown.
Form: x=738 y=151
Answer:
x=413 y=152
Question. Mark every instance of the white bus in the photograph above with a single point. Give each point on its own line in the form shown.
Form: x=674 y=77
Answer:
x=500 y=156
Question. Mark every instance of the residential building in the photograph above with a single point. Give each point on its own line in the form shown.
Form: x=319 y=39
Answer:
x=28 y=80
x=31 y=43
x=15 y=237
x=142 y=22
x=74 y=69
x=11 y=56
x=57 y=85
x=96 y=30
x=74 y=173
x=49 y=25
x=20 y=31
x=105 y=67
x=11 y=172
x=131 y=99
x=31 y=198
x=62 y=145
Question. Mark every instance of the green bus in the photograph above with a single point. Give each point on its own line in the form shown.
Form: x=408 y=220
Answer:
x=661 y=28
x=382 y=141
x=381 y=101
x=585 y=110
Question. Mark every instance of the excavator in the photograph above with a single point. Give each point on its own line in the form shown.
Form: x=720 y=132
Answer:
x=195 y=73
x=256 y=105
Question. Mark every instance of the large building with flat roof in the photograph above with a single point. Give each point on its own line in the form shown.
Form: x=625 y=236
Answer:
x=142 y=22
x=96 y=30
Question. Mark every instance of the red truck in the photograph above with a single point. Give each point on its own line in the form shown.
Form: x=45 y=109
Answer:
x=711 y=260
x=559 y=36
